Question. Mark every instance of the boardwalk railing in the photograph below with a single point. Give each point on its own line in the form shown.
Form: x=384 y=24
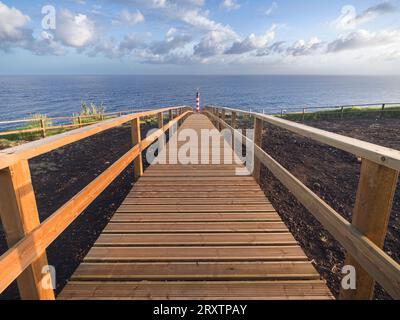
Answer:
x=364 y=237
x=45 y=124
x=27 y=238
x=340 y=111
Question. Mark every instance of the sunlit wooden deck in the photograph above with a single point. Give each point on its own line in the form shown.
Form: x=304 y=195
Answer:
x=196 y=232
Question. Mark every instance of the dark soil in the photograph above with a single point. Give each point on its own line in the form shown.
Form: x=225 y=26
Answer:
x=58 y=175
x=334 y=176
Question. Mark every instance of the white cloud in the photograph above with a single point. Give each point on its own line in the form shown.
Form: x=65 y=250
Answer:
x=12 y=24
x=174 y=40
x=302 y=48
x=196 y=3
x=131 y=18
x=213 y=43
x=271 y=9
x=364 y=39
x=159 y=3
x=349 y=19
x=230 y=5
x=130 y=43
x=75 y=30
x=252 y=42
x=200 y=20
x=108 y=48
x=142 y=3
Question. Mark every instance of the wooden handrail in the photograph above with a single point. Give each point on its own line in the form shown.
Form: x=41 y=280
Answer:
x=33 y=149
x=33 y=244
x=362 y=249
x=381 y=155
x=42 y=122
x=71 y=117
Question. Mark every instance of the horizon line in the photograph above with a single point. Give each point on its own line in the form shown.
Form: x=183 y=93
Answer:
x=200 y=75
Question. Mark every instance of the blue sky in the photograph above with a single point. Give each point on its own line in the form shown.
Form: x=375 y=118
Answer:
x=200 y=37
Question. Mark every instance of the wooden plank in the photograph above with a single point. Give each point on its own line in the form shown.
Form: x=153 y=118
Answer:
x=231 y=179
x=160 y=254
x=197 y=208
x=188 y=175
x=186 y=201
x=175 y=189
x=186 y=227
x=188 y=167
x=19 y=217
x=189 y=194
x=206 y=290
x=204 y=271
x=195 y=239
x=371 y=216
x=195 y=217
x=199 y=184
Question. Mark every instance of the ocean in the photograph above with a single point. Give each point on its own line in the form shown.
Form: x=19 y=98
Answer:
x=21 y=96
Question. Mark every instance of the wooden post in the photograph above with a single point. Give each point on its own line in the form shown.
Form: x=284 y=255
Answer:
x=19 y=216
x=223 y=117
x=371 y=217
x=304 y=114
x=258 y=130
x=178 y=113
x=234 y=120
x=161 y=120
x=43 y=127
x=342 y=113
x=383 y=110
x=170 y=116
x=80 y=122
x=137 y=139
x=281 y=113
x=214 y=112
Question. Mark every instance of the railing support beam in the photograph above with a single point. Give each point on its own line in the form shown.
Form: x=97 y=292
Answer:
x=43 y=127
x=258 y=130
x=234 y=120
x=371 y=215
x=19 y=216
x=136 y=140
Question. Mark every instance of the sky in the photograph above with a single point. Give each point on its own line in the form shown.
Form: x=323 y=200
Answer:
x=200 y=37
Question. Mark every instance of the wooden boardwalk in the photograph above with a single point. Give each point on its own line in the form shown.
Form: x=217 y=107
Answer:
x=196 y=232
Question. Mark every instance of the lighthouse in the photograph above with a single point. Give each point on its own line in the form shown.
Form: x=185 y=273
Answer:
x=198 y=102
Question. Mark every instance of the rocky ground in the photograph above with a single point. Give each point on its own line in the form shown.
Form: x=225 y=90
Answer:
x=334 y=176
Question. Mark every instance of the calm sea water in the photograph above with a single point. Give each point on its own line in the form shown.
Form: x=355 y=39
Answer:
x=21 y=96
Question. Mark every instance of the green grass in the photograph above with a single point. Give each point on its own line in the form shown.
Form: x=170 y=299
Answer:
x=348 y=113
x=89 y=114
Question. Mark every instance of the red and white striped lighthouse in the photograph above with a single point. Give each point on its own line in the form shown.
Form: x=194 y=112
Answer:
x=198 y=102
